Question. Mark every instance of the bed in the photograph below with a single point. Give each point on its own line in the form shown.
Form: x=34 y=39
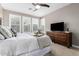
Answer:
x=25 y=45
x=44 y=43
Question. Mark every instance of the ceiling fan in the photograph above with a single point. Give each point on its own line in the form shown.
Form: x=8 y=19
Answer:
x=38 y=5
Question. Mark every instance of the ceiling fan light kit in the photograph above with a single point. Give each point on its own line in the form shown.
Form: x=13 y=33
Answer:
x=37 y=6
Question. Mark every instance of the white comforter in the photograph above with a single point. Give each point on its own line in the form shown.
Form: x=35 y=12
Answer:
x=18 y=45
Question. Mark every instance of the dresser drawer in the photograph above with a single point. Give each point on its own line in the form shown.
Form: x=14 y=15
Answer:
x=61 y=42
x=60 y=38
x=61 y=34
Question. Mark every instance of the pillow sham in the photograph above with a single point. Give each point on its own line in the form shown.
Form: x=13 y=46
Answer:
x=5 y=31
x=1 y=37
x=13 y=32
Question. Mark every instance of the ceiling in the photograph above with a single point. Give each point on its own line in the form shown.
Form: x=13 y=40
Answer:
x=27 y=8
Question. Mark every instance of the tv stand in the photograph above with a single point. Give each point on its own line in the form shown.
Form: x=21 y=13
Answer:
x=61 y=37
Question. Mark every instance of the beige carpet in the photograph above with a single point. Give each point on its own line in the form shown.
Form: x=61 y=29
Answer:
x=59 y=50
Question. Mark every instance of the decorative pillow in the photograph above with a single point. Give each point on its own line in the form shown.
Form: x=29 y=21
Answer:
x=7 y=31
x=1 y=37
x=3 y=33
x=13 y=32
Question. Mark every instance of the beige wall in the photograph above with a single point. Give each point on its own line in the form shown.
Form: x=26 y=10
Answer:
x=1 y=11
x=6 y=16
x=69 y=15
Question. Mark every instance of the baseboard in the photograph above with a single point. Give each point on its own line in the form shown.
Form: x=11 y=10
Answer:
x=75 y=46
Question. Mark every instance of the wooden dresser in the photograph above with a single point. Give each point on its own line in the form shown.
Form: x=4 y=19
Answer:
x=63 y=38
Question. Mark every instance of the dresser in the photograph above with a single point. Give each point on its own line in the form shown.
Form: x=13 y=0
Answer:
x=63 y=38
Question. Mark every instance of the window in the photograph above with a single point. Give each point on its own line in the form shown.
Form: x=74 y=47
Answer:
x=23 y=23
x=35 y=24
x=42 y=24
x=15 y=22
x=26 y=24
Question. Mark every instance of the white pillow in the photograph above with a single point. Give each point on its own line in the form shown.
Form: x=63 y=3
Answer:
x=2 y=37
x=7 y=30
x=3 y=33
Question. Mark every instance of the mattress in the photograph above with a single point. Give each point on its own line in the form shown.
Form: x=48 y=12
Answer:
x=38 y=52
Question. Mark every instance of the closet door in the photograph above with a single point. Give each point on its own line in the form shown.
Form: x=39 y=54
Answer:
x=26 y=24
x=15 y=22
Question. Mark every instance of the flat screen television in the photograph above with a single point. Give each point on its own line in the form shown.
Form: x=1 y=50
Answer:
x=57 y=26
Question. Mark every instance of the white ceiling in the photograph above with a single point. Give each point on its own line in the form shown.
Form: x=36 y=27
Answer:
x=24 y=8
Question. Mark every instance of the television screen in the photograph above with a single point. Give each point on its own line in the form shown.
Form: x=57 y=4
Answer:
x=57 y=26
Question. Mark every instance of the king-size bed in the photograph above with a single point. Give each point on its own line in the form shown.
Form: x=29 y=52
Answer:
x=25 y=44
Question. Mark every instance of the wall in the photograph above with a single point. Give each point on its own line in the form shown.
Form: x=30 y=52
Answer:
x=1 y=14
x=1 y=11
x=6 y=16
x=69 y=15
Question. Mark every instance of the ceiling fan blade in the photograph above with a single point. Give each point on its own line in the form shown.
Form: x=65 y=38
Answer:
x=45 y=5
x=34 y=4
